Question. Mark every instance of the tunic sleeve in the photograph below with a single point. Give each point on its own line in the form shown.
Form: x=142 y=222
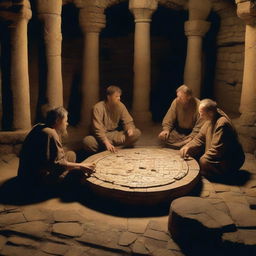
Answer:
x=217 y=148
x=170 y=117
x=99 y=128
x=198 y=141
x=56 y=161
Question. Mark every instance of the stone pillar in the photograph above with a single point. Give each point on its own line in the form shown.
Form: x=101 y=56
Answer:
x=142 y=11
x=246 y=10
x=195 y=29
x=49 y=12
x=19 y=78
x=92 y=20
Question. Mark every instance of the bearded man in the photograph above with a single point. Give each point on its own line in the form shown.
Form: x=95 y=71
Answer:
x=112 y=125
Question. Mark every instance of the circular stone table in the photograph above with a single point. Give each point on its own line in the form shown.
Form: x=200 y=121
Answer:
x=142 y=175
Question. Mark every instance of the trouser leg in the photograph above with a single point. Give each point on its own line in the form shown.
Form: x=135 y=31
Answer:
x=90 y=144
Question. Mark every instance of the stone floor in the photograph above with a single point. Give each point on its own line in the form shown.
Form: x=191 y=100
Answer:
x=71 y=224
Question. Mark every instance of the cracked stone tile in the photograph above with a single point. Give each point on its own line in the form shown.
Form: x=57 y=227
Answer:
x=139 y=247
x=171 y=245
x=11 y=218
x=10 y=250
x=158 y=235
x=68 y=229
x=68 y=216
x=40 y=253
x=158 y=225
x=76 y=250
x=35 y=228
x=99 y=252
x=3 y=240
x=152 y=244
x=137 y=225
x=34 y=214
x=54 y=248
x=162 y=252
x=16 y=240
x=108 y=239
x=127 y=238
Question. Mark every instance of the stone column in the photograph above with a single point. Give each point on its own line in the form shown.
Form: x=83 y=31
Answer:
x=195 y=29
x=49 y=12
x=142 y=11
x=19 y=78
x=247 y=121
x=92 y=20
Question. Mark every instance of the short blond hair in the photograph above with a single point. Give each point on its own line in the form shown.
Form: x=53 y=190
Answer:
x=112 y=89
x=185 y=89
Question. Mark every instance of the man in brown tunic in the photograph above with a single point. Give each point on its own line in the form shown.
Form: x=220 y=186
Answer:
x=182 y=121
x=42 y=158
x=216 y=145
x=112 y=125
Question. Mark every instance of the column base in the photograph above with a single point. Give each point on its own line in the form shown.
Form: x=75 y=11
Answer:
x=246 y=129
x=142 y=118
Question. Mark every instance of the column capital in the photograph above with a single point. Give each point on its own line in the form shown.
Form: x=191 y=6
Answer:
x=142 y=10
x=196 y=27
x=24 y=14
x=246 y=10
x=92 y=19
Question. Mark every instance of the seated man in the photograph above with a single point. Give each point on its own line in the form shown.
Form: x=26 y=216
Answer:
x=42 y=158
x=107 y=116
x=182 y=122
x=217 y=139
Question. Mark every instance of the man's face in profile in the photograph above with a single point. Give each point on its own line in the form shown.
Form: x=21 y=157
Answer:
x=62 y=124
x=114 y=98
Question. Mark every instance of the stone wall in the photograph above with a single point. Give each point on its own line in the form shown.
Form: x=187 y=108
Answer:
x=230 y=61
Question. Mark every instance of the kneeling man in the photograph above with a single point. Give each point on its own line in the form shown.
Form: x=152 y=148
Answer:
x=216 y=145
x=42 y=157
x=112 y=125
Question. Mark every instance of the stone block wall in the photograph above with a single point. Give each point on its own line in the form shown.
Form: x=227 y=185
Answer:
x=229 y=61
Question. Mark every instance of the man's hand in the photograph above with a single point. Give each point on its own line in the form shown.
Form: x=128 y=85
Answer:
x=184 y=152
x=87 y=168
x=130 y=132
x=163 y=135
x=110 y=147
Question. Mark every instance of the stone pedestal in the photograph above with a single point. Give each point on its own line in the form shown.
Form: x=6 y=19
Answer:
x=194 y=30
x=92 y=20
x=247 y=121
x=19 y=70
x=49 y=12
x=142 y=11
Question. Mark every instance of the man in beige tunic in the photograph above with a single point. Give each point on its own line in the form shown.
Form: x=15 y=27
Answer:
x=216 y=145
x=112 y=125
x=42 y=157
x=182 y=121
